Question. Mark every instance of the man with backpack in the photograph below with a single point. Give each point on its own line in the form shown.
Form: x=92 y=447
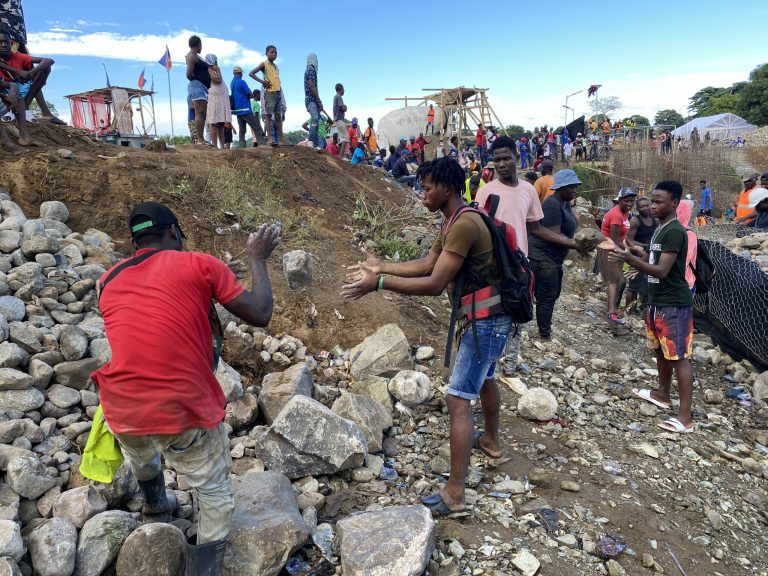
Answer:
x=467 y=258
x=519 y=208
x=158 y=392
x=669 y=319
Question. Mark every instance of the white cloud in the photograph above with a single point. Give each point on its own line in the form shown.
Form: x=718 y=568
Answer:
x=146 y=48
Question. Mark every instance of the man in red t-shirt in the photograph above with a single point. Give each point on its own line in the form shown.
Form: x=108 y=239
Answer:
x=158 y=392
x=615 y=226
x=422 y=142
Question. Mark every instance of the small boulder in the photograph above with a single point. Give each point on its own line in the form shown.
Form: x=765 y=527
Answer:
x=760 y=387
x=537 y=404
x=77 y=373
x=21 y=400
x=410 y=387
x=308 y=439
x=370 y=416
x=101 y=539
x=73 y=342
x=63 y=397
x=386 y=350
x=11 y=543
x=53 y=547
x=12 y=308
x=157 y=549
x=54 y=210
x=79 y=504
x=277 y=388
x=242 y=412
x=397 y=540
x=229 y=380
x=266 y=527
x=28 y=477
x=12 y=379
x=297 y=266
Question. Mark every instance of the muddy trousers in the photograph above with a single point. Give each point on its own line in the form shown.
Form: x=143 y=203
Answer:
x=512 y=350
x=201 y=455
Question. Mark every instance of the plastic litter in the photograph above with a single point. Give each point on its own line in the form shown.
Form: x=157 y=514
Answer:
x=323 y=539
x=611 y=467
x=737 y=393
x=610 y=546
x=388 y=474
x=548 y=518
x=636 y=427
x=502 y=495
x=297 y=565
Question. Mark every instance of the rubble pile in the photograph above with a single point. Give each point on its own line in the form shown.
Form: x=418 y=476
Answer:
x=754 y=246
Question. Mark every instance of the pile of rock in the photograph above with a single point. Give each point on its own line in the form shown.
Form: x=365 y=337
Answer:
x=754 y=246
x=757 y=138
x=53 y=521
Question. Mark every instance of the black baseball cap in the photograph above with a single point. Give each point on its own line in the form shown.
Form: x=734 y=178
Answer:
x=151 y=215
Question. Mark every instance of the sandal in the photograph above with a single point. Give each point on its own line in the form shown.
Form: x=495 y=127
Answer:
x=438 y=507
x=645 y=394
x=674 y=425
x=477 y=446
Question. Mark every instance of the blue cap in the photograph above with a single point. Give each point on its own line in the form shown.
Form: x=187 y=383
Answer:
x=565 y=178
x=624 y=192
x=354 y=120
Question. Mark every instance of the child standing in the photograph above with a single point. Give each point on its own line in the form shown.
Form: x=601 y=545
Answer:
x=271 y=111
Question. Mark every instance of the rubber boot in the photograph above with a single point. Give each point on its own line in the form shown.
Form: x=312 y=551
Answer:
x=156 y=507
x=205 y=559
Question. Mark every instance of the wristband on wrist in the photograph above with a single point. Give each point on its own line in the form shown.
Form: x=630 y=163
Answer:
x=381 y=283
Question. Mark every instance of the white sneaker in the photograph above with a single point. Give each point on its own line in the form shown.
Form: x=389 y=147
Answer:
x=9 y=117
x=31 y=117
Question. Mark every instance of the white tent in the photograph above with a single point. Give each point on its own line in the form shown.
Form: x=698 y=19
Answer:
x=719 y=126
x=403 y=123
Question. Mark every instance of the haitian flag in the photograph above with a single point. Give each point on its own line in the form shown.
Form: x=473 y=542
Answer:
x=165 y=61
x=142 y=80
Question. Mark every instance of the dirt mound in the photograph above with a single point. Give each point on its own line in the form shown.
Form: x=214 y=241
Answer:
x=219 y=196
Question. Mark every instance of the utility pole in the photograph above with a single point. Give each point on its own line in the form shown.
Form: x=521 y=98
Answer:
x=566 y=105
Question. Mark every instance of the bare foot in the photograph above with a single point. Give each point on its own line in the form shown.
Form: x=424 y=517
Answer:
x=29 y=142
x=493 y=450
x=53 y=120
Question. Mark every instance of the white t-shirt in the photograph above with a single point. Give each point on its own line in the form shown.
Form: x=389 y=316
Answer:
x=518 y=205
x=568 y=149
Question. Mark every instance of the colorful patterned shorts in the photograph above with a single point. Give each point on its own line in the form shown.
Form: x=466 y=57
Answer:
x=671 y=329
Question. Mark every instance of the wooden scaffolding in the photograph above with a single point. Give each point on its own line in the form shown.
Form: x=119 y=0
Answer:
x=462 y=109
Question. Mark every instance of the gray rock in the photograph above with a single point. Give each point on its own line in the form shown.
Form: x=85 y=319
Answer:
x=307 y=438
x=101 y=350
x=278 y=388
x=410 y=387
x=77 y=373
x=41 y=373
x=370 y=416
x=40 y=244
x=33 y=226
x=79 y=504
x=12 y=308
x=12 y=355
x=10 y=430
x=11 y=379
x=526 y=562
x=266 y=527
x=9 y=503
x=53 y=547
x=25 y=337
x=54 y=210
x=28 y=477
x=46 y=260
x=760 y=387
x=90 y=271
x=63 y=396
x=12 y=211
x=156 y=549
x=71 y=254
x=21 y=400
x=101 y=539
x=4 y=328
x=397 y=540
x=377 y=388
x=73 y=343
x=537 y=404
x=386 y=350
x=11 y=543
x=242 y=412
x=297 y=266
x=230 y=381
x=10 y=240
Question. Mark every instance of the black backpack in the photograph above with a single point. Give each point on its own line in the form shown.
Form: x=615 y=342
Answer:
x=515 y=291
x=704 y=269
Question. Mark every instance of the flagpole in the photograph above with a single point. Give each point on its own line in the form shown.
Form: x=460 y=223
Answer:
x=170 y=100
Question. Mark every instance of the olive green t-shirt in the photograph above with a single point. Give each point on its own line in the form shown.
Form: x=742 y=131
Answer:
x=469 y=238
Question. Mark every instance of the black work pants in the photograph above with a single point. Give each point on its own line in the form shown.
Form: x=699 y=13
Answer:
x=548 y=280
x=253 y=122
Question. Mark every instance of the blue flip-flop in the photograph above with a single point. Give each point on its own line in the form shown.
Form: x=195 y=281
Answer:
x=438 y=507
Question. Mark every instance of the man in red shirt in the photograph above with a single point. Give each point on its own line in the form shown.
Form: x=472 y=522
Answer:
x=354 y=134
x=422 y=143
x=21 y=81
x=158 y=392
x=480 y=141
x=615 y=226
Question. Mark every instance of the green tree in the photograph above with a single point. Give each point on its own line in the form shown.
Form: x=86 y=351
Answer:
x=637 y=120
x=753 y=103
x=710 y=100
x=294 y=136
x=668 y=117
x=515 y=129
x=35 y=107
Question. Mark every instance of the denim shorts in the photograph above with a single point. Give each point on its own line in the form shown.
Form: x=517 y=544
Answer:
x=197 y=91
x=472 y=369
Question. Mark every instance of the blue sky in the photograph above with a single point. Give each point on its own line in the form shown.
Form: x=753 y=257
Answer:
x=651 y=54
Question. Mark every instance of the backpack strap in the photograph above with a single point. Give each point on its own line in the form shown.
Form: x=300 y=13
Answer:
x=136 y=260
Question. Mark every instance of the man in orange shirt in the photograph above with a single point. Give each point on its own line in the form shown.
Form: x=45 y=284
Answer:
x=742 y=205
x=606 y=126
x=546 y=181
x=430 y=120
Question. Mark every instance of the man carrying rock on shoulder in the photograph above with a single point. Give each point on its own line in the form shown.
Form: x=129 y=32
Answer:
x=159 y=393
x=464 y=237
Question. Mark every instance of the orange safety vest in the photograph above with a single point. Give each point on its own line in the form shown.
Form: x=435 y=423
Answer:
x=743 y=209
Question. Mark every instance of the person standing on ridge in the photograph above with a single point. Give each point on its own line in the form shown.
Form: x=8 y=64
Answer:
x=199 y=82
x=430 y=120
x=271 y=111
